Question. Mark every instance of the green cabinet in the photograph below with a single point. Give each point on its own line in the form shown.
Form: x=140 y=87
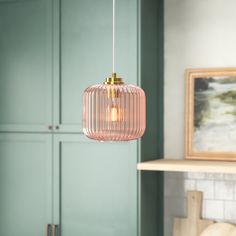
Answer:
x=97 y=191
x=82 y=186
x=25 y=184
x=25 y=65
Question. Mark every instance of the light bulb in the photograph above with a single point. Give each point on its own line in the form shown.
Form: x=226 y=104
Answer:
x=114 y=114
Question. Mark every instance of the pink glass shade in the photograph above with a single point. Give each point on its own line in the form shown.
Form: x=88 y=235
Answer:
x=114 y=112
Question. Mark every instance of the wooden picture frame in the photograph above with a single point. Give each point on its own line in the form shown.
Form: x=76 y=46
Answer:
x=210 y=116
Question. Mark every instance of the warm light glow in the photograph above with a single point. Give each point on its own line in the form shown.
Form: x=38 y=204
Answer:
x=115 y=114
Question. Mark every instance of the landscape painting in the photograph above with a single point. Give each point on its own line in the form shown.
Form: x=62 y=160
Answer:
x=211 y=114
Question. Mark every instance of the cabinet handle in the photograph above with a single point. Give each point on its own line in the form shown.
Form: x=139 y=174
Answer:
x=48 y=226
x=57 y=127
x=50 y=127
x=54 y=230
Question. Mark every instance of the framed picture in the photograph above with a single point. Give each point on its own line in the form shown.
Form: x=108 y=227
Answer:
x=211 y=114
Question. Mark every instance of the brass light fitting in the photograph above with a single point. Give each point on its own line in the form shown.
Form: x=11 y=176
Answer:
x=114 y=80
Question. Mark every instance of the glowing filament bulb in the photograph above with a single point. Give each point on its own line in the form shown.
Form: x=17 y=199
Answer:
x=114 y=114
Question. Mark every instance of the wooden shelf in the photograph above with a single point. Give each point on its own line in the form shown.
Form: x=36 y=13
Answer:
x=188 y=166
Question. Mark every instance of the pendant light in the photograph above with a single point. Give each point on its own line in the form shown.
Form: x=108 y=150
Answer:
x=114 y=111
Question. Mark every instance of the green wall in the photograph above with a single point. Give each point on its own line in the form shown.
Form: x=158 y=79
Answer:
x=151 y=64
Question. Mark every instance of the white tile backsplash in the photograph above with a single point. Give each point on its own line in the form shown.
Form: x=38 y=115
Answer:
x=219 y=196
x=224 y=190
x=235 y=190
x=189 y=184
x=207 y=187
x=230 y=177
x=196 y=175
x=213 y=209
x=230 y=211
x=214 y=176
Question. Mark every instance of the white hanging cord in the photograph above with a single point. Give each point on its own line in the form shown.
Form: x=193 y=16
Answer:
x=113 y=36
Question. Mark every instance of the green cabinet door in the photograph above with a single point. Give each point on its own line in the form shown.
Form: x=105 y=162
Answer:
x=86 y=53
x=25 y=184
x=25 y=65
x=97 y=192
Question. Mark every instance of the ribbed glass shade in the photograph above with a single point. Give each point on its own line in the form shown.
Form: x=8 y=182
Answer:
x=114 y=112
